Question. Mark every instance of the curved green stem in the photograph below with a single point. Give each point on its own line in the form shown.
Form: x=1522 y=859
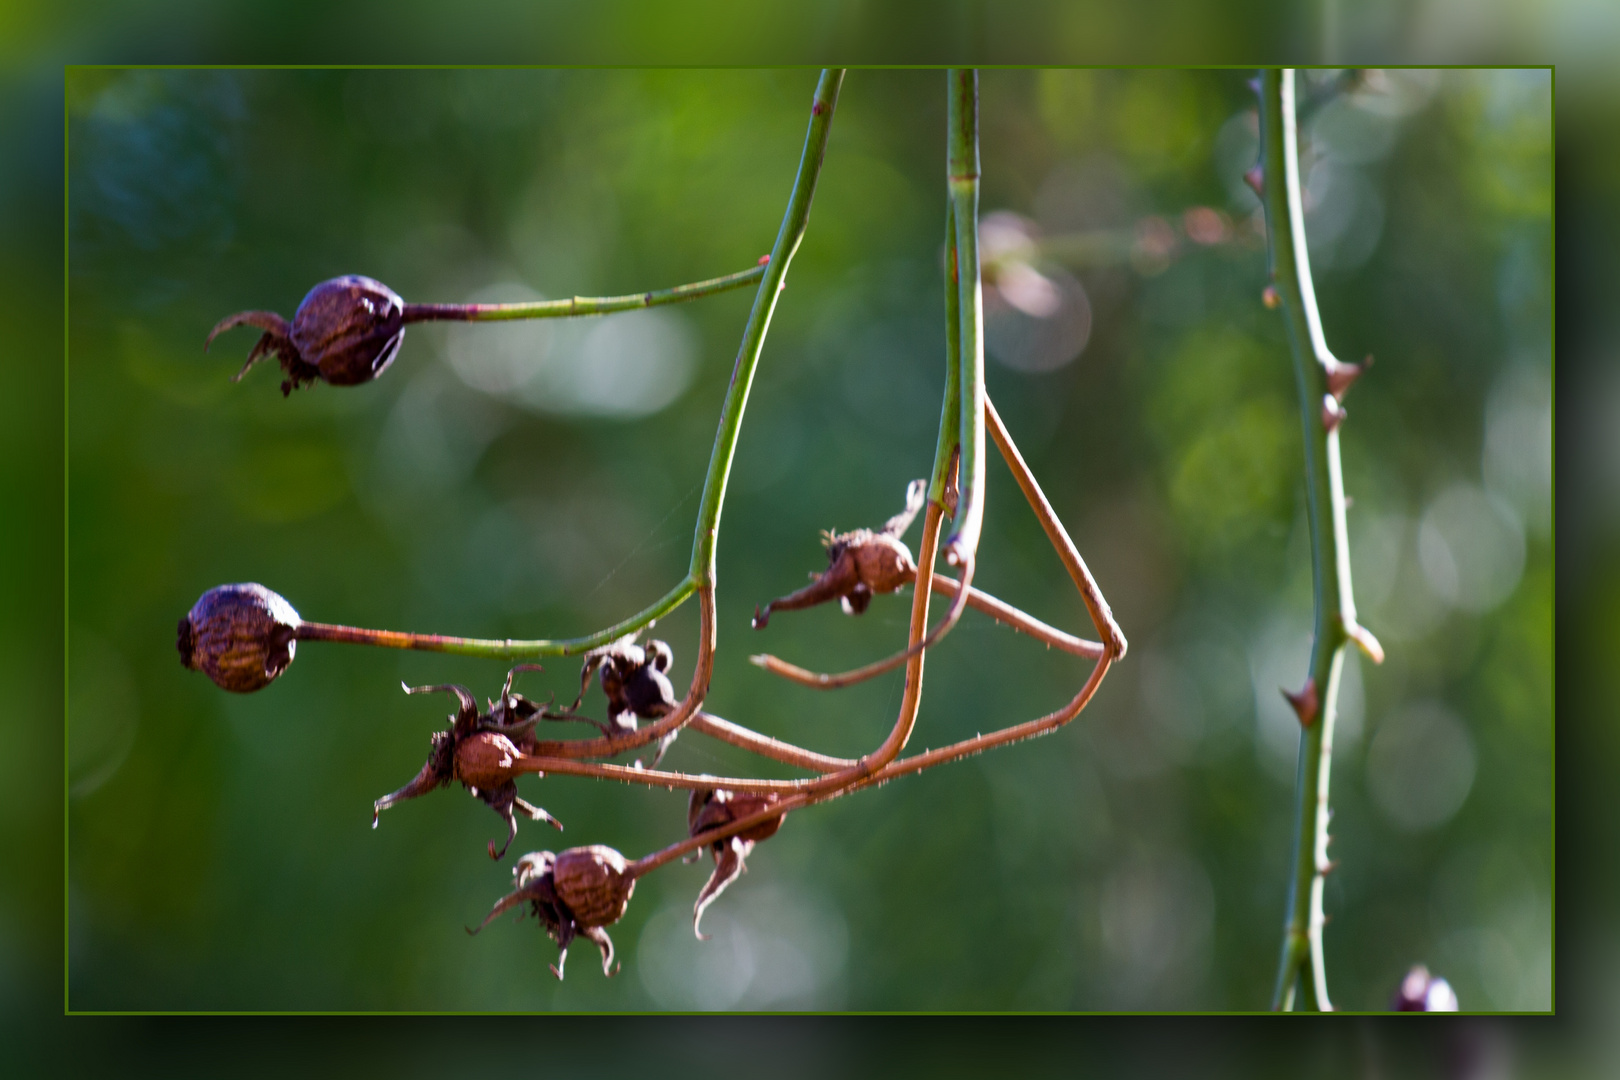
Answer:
x=1335 y=621
x=759 y=320
x=581 y=305
x=962 y=169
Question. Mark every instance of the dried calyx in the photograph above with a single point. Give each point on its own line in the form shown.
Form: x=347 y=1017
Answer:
x=346 y=332
x=240 y=636
x=635 y=679
x=482 y=751
x=860 y=564
x=713 y=808
x=574 y=894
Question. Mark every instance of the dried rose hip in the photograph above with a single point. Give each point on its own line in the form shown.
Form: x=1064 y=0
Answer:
x=573 y=894
x=482 y=752
x=346 y=332
x=860 y=564
x=241 y=636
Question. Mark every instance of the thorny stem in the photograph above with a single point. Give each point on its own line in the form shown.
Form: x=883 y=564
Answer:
x=962 y=174
x=582 y=305
x=765 y=746
x=1336 y=623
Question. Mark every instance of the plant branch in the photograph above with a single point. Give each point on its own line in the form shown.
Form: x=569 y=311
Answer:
x=962 y=176
x=759 y=320
x=1335 y=622
x=801 y=794
x=509 y=649
x=582 y=305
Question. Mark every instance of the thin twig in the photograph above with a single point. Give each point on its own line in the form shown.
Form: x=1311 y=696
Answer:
x=582 y=305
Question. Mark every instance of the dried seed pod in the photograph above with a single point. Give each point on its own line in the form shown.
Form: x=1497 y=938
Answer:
x=860 y=564
x=345 y=332
x=241 y=636
x=634 y=680
x=574 y=894
x=479 y=750
x=711 y=808
x=484 y=759
x=595 y=883
x=1422 y=992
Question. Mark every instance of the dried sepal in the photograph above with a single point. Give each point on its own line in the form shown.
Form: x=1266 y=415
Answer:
x=860 y=564
x=712 y=808
x=345 y=332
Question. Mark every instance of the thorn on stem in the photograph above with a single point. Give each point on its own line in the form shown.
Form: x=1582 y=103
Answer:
x=1333 y=413
x=1270 y=297
x=764 y=260
x=1304 y=703
x=1365 y=641
x=1255 y=177
x=1340 y=375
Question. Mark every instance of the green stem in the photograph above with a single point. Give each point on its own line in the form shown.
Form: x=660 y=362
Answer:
x=509 y=649
x=581 y=305
x=1335 y=619
x=962 y=171
x=950 y=416
x=705 y=541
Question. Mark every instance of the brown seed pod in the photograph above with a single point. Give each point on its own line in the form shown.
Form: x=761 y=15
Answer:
x=595 y=883
x=484 y=759
x=240 y=636
x=860 y=565
x=1422 y=992
x=346 y=332
x=481 y=750
x=597 y=879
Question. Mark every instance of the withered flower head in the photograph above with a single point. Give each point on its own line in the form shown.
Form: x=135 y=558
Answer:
x=481 y=751
x=860 y=564
x=711 y=808
x=635 y=680
x=346 y=332
x=573 y=894
x=1422 y=992
x=241 y=636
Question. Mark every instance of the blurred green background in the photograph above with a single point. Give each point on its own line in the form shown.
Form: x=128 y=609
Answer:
x=542 y=480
